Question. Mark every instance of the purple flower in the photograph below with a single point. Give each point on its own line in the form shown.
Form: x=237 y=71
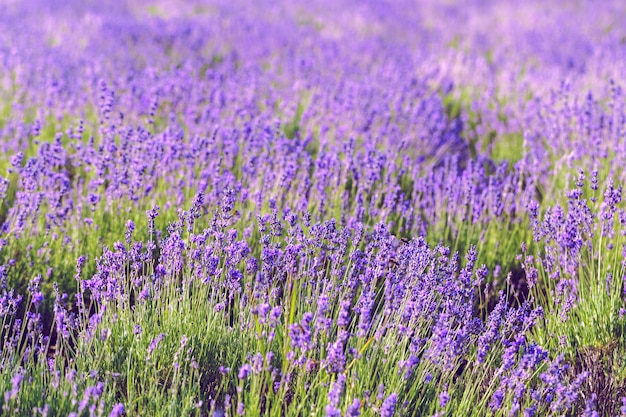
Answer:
x=530 y=411
x=300 y=333
x=334 y=395
x=37 y=298
x=389 y=406
x=590 y=407
x=354 y=409
x=195 y=211
x=444 y=397
x=492 y=331
x=336 y=357
x=92 y=392
x=16 y=160
x=79 y=267
x=496 y=400
x=244 y=371
x=130 y=228
x=367 y=304
x=154 y=343
x=344 y=314
x=16 y=382
x=332 y=411
x=117 y=411
x=9 y=303
x=152 y=214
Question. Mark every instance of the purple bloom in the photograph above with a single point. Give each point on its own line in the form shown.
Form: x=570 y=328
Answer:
x=336 y=357
x=152 y=214
x=444 y=397
x=354 y=409
x=91 y=393
x=492 y=332
x=496 y=400
x=590 y=407
x=300 y=333
x=389 y=406
x=117 y=411
x=344 y=314
x=332 y=411
x=16 y=160
x=530 y=411
x=16 y=382
x=335 y=393
x=367 y=304
x=37 y=298
x=244 y=371
x=130 y=228
x=155 y=342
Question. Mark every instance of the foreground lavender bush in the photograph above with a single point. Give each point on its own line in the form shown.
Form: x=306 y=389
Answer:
x=326 y=320
x=321 y=209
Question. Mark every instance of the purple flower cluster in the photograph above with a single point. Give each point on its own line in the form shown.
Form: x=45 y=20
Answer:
x=338 y=184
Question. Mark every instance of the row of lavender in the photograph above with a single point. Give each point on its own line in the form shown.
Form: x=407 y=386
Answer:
x=333 y=159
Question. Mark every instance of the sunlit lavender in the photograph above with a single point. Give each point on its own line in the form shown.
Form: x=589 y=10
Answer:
x=322 y=208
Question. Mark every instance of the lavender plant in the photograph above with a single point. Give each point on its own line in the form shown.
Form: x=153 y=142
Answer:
x=332 y=208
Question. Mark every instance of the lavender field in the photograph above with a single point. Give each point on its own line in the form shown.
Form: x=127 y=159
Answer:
x=312 y=208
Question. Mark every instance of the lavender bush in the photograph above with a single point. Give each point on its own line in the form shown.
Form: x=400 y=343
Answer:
x=312 y=208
